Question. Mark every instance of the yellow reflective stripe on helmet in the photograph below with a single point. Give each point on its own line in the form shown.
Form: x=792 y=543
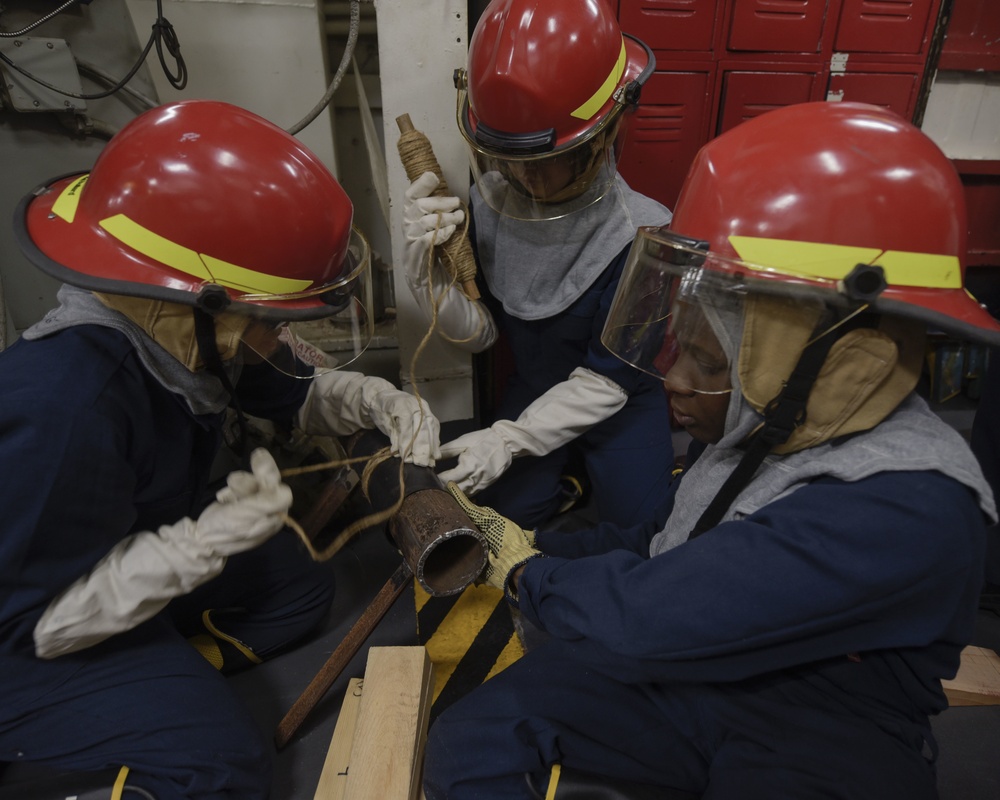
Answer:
x=201 y=266
x=600 y=97
x=802 y=259
x=921 y=269
x=835 y=262
x=248 y=280
x=69 y=198
x=156 y=247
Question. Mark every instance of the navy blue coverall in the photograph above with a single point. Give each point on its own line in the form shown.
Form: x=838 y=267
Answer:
x=796 y=653
x=985 y=443
x=93 y=449
x=628 y=457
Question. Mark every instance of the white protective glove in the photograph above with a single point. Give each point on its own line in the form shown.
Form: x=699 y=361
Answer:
x=429 y=221
x=563 y=413
x=340 y=403
x=145 y=571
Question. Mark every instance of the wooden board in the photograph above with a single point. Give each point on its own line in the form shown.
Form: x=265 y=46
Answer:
x=387 y=753
x=978 y=680
x=333 y=778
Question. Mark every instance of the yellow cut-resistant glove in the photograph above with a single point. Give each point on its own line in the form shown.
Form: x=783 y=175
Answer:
x=510 y=546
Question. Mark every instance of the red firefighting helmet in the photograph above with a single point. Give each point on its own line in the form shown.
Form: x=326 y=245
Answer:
x=842 y=204
x=841 y=198
x=547 y=83
x=202 y=203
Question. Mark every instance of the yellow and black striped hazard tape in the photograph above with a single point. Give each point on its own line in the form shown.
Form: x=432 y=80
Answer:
x=469 y=638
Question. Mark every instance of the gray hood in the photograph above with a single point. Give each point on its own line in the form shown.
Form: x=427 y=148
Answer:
x=911 y=438
x=538 y=268
x=203 y=392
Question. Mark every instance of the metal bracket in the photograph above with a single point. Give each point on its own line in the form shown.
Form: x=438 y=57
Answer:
x=51 y=61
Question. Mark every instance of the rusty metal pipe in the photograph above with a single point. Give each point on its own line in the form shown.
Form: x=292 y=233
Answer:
x=441 y=545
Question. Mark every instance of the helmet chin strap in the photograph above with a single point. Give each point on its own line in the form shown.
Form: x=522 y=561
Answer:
x=781 y=417
x=204 y=331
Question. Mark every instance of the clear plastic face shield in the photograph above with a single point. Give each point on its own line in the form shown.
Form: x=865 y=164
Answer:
x=297 y=349
x=680 y=309
x=671 y=316
x=546 y=185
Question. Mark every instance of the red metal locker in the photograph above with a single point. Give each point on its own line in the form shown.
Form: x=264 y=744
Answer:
x=777 y=26
x=724 y=61
x=973 y=40
x=897 y=91
x=885 y=26
x=686 y=25
x=666 y=131
x=747 y=94
x=981 y=181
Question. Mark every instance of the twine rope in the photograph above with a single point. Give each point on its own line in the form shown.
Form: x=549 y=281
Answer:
x=456 y=254
x=459 y=262
x=368 y=521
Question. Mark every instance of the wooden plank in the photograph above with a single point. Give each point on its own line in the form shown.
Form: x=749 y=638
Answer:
x=387 y=754
x=333 y=778
x=978 y=680
x=423 y=723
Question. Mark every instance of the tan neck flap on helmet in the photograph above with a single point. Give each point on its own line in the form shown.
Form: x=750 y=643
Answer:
x=866 y=375
x=171 y=325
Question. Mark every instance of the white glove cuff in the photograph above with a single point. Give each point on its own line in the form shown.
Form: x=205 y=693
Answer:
x=458 y=320
x=131 y=584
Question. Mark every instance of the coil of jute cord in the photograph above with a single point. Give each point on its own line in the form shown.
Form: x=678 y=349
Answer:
x=418 y=157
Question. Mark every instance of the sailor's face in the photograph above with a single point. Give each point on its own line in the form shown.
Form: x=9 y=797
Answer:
x=261 y=340
x=544 y=179
x=699 y=385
